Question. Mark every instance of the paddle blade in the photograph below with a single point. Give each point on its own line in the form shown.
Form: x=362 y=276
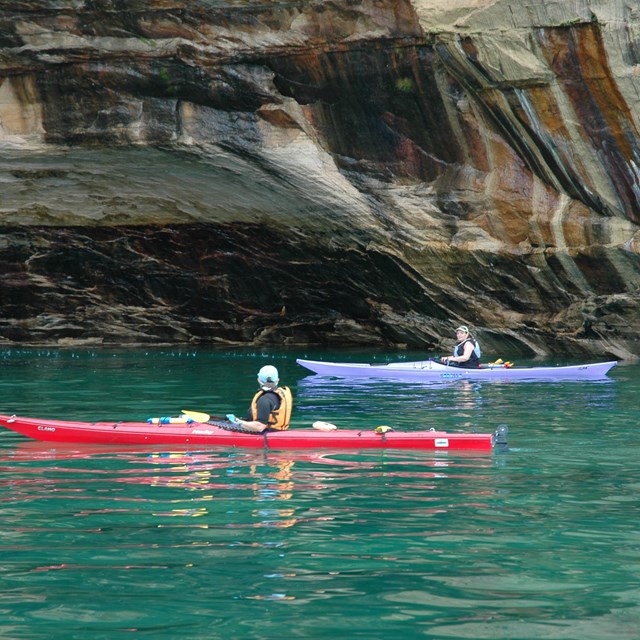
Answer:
x=197 y=416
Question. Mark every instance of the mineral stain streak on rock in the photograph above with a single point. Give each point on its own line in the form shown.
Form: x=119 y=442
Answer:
x=580 y=65
x=347 y=172
x=378 y=110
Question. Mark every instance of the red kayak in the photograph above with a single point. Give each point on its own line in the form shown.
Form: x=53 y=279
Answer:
x=210 y=434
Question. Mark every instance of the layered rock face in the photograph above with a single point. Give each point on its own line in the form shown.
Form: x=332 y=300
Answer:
x=350 y=172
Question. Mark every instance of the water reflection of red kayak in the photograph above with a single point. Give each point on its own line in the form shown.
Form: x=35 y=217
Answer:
x=209 y=434
x=208 y=470
x=209 y=459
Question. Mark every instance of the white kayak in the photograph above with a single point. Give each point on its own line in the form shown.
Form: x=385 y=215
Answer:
x=430 y=370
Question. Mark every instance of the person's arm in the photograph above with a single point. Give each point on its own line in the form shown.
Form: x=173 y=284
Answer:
x=252 y=425
x=264 y=407
x=466 y=354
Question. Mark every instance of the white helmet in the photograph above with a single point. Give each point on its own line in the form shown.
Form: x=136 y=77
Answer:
x=268 y=375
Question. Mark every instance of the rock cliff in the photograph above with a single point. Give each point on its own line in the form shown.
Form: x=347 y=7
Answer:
x=343 y=172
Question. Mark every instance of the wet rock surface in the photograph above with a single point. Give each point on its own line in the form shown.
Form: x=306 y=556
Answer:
x=364 y=173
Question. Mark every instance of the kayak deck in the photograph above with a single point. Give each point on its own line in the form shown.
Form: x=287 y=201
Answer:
x=208 y=434
x=430 y=370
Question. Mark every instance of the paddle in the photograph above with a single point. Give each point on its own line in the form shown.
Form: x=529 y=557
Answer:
x=199 y=416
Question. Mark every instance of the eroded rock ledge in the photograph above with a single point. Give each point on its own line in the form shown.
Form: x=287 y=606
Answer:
x=348 y=172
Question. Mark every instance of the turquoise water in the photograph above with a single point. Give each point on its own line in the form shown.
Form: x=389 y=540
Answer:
x=539 y=542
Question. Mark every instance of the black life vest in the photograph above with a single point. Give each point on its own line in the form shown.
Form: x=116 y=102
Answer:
x=474 y=361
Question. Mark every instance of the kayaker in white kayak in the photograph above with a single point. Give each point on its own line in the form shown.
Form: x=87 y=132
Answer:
x=466 y=352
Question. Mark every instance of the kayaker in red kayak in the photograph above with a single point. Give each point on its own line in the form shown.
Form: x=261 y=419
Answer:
x=466 y=352
x=270 y=409
x=271 y=405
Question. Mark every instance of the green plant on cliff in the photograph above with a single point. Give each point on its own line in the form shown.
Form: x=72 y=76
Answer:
x=404 y=84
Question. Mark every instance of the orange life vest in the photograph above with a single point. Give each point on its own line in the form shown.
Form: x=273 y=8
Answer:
x=279 y=418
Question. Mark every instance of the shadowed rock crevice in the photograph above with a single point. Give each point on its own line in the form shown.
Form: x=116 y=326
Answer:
x=200 y=284
x=207 y=285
